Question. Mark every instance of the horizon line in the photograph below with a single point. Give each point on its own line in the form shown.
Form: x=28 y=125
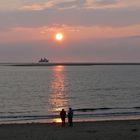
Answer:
x=67 y=63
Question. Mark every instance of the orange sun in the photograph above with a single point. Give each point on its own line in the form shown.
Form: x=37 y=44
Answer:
x=59 y=36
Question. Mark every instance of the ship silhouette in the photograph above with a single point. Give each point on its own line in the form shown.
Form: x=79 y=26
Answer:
x=43 y=60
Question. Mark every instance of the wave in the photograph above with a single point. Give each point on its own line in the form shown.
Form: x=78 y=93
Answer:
x=104 y=108
x=15 y=118
x=78 y=113
x=51 y=117
x=29 y=116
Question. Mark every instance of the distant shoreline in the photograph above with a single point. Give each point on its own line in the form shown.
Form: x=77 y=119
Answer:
x=65 y=64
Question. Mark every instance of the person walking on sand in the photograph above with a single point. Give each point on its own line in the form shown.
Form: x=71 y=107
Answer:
x=63 y=116
x=70 y=117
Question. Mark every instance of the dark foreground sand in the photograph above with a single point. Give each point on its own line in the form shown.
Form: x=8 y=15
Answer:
x=109 y=130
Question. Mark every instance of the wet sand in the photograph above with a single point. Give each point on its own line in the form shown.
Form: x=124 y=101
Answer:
x=103 y=130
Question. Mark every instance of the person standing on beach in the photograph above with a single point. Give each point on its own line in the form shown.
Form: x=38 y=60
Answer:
x=70 y=117
x=63 y=116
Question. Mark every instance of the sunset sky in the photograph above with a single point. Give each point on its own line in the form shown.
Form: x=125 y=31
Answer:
x=93 y=30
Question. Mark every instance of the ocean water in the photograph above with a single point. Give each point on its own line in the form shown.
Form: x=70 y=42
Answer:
x=39 y=93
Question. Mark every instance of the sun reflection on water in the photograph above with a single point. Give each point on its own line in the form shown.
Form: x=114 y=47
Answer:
x=58 y=98
x=57 y=120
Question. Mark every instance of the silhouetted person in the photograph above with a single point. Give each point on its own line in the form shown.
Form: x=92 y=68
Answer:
x=63 y=116
x=70 y=117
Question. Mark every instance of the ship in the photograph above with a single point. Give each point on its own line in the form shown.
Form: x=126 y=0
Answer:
x=43 y=60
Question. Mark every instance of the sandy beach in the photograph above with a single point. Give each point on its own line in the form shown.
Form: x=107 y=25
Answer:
x=102 y=130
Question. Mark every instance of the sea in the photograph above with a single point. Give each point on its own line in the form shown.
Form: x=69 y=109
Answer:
x=98 y=92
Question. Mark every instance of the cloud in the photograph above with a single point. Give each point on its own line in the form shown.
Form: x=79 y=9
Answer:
x=111 y=4
x=54 y=4
x=81 y=4
x=19 y=34
x=58 y=28
x=37 y=6
x=71 y=33
x=106 y=2
x=69 y=4
x=75 y=17
x=47 y=5
x=34 y=5
x=102 y=4
x=8 y=5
